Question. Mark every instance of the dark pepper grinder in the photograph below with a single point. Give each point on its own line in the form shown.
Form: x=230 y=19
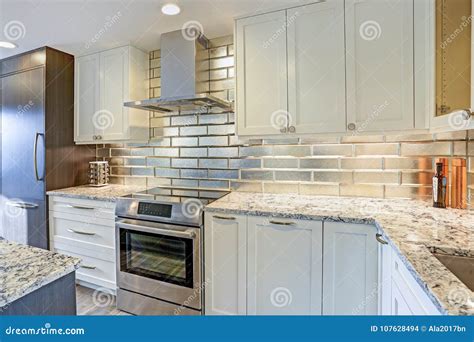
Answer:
x=439 y=187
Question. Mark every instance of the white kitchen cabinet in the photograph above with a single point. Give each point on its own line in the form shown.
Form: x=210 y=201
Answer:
x=350 y=67
x=380 y=72
x=284 y=266
x=87 y=95
x=262 y=75
x=225 y=264
x=316 y=68
x=407 y=296
x=103 y=82
x=258 y=265
x=85 y=229
x=350 y=279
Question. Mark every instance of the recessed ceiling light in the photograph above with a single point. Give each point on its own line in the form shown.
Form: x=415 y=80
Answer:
x=7 y=45
x=170 y=9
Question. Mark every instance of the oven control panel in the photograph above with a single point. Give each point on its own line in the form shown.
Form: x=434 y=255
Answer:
x=155 y=209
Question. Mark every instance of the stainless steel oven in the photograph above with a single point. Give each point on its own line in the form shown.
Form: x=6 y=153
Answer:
x=159 y=254
x=160 y=260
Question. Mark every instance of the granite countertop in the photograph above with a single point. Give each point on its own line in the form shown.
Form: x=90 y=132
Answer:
x=108 y=193
x=24 y=269
x=412 y=227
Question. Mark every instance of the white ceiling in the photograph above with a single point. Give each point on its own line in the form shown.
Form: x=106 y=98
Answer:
x=71 y=25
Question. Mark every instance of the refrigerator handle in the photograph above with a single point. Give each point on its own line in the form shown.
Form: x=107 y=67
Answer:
x=35 y=157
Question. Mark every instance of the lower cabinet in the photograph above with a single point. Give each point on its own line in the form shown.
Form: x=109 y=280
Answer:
x=401 y=293
x=225 y=264
x=257 y=265
x=350 y=281
x=262 y=266
x=284 y=266
x=85 y=229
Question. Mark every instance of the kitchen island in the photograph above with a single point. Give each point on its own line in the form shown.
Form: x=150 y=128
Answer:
x=35 y=281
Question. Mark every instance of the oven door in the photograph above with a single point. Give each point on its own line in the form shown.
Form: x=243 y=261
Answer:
x=160 y=260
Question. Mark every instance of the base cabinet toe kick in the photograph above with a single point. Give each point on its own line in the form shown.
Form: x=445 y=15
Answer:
x=269 y=266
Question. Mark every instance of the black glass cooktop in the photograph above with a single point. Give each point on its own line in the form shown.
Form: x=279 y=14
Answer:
x=178 y=195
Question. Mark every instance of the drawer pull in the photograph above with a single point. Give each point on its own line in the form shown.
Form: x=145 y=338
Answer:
x=282 y=223
x=230 y=218
x=23 y=205
x=87 y=267
x=79 y=207
x=80 y=232
x=378 y=237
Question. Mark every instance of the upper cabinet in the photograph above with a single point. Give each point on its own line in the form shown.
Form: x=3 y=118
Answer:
x=379 y=60
x=335 y=66
x=316 y=79
x=453 y=60
x=103 y=82
x=262 y=74
x=290 y=71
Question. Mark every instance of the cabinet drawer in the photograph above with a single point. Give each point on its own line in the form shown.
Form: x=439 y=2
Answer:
x=87 y=208
x=84 y=248
x=93 y=270
x=413 y=295
x=88 y=232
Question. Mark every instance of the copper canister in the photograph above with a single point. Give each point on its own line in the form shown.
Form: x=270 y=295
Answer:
x=458 y=184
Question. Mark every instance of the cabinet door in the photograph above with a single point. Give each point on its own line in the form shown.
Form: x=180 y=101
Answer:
x=87 y=94
x=316 y=67
x=399 y=305
x=112 y=119
x=350 y=285
x=284 y=267
x=261 y=74
x=379 y=37
x=225 y=264
x=408 y=297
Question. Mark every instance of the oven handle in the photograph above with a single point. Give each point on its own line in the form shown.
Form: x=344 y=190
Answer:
x=188 y=234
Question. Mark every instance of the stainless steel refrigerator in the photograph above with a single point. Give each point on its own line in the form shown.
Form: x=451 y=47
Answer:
x=37 y=142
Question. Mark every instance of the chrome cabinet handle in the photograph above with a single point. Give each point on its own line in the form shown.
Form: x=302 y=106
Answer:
x=87 y=267
x=292 y=129
x=80 y=232
x=283 y=130
x=351 y=126
x=35 y=157
x=79 y=207
x=282 y=223
x=23 y=205
x=230 y=218
x=378 y=237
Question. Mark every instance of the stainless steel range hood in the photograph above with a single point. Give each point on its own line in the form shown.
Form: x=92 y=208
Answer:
x=184 y=77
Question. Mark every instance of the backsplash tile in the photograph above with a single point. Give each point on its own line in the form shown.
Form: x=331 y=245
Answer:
x=201 y=151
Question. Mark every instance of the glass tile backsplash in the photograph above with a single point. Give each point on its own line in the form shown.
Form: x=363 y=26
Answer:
x=201 y=151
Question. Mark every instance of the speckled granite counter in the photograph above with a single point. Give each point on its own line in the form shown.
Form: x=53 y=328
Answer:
x=24 y=269
x=412 y=228
x=106 y=193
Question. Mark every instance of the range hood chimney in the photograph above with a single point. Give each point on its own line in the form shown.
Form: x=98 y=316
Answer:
x=184 y=77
